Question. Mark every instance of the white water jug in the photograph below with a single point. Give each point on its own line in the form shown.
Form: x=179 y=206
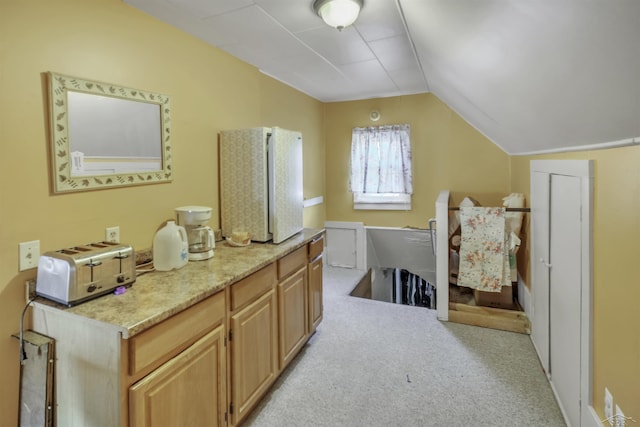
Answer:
x=170 y=247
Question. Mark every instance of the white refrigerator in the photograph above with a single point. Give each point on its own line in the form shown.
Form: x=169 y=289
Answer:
x=261 y=183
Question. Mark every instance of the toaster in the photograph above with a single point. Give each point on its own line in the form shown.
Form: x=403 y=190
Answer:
x=80 y=273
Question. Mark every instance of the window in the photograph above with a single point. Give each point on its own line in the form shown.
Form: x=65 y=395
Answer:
x=381 y=167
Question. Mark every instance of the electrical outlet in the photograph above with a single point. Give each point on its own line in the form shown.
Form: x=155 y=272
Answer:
x=608 y=406
x=620 y=419
x=112 y=234
x=29 y=290
x=29 y=255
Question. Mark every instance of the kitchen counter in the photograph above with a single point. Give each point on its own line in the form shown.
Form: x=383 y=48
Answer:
x=156 y=296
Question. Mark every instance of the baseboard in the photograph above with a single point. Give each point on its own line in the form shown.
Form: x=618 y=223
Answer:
x=593 y=420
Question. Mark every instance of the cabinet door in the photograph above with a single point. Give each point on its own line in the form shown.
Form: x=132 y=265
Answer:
x=254 y=353
x=188 y=390
x=315 y=293
x=292 y=313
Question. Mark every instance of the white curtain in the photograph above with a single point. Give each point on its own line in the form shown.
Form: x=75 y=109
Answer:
x=381 y=160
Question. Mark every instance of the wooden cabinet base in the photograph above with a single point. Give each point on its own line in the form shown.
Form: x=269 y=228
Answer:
x=206 y=365
x=253 y=354
x=188 y=390
x=315 y=293
x=292 y=313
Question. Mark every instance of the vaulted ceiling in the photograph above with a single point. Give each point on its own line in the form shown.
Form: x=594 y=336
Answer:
x=531 y=75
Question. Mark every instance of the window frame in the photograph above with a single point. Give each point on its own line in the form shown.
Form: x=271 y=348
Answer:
x=382 y=201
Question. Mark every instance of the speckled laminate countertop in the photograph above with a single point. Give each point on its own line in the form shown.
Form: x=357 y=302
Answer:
x=156 y=296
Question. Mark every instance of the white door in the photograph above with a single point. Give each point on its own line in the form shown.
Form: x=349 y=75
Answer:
x=561 y=247
x=540 y=186
x=564 y=293
x=345 y=244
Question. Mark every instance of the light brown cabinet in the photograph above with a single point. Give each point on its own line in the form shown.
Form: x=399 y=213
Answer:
x=292 y=315
x=208 y=364
x=177 y=378
x=314 y=272
x=253 y=345
x=293 y=297
x=188 y=390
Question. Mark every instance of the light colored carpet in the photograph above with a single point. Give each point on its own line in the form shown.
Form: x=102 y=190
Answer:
x=373 y=364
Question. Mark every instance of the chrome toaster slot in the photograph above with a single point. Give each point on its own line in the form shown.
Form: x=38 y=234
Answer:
x=79 y=273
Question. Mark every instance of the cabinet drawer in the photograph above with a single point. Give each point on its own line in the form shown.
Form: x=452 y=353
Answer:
x=315 y=247
x=183 y=384
x=292 y=262
x=253 y=286
x=168 y=338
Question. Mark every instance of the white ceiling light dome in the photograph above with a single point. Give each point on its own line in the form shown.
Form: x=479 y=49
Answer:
x=338 y=13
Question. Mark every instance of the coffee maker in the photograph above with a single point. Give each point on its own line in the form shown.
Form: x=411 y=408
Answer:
x=200 y=236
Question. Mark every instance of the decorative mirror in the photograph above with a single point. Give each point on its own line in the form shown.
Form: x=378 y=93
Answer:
x=104 y=135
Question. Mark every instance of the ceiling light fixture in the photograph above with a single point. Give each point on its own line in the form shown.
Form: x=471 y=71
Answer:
x=338 y=13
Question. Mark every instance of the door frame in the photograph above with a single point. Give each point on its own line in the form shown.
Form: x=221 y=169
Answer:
x=442 y=255
x=582 y=169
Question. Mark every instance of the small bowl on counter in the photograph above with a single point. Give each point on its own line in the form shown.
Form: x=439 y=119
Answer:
x=244 y=243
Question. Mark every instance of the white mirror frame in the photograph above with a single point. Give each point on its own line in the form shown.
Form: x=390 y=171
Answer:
x=63 y=180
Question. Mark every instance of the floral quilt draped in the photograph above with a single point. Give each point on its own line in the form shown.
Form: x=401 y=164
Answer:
x=484 y=255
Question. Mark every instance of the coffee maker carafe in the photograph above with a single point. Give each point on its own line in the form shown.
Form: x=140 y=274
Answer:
x=200 y=236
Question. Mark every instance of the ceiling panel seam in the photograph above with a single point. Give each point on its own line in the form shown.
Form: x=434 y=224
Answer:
x=300 y=41
x=413 y=46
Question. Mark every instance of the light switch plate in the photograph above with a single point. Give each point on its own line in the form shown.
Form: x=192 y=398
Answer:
x=29 y=255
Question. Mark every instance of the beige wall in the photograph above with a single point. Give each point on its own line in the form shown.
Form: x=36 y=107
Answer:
x=107 y=40
x=616 y=279
x=448 y=154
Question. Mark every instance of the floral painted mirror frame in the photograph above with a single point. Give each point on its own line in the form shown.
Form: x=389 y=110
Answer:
x=61 y=121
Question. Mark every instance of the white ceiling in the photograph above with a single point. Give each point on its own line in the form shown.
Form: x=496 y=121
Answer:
x=531 y=75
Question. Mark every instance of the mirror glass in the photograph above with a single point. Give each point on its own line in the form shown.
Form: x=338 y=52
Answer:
x=105 y=135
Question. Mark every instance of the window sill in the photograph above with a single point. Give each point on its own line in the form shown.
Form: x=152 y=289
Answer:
x=382 y=201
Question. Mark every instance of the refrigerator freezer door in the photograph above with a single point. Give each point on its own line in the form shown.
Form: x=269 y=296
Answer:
x=244 y=198
x=285 y=181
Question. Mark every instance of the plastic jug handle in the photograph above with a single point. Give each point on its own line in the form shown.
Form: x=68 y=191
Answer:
x=183 y=233
x=211 y=241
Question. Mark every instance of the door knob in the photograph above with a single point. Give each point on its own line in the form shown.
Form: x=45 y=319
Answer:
x=546 y=264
